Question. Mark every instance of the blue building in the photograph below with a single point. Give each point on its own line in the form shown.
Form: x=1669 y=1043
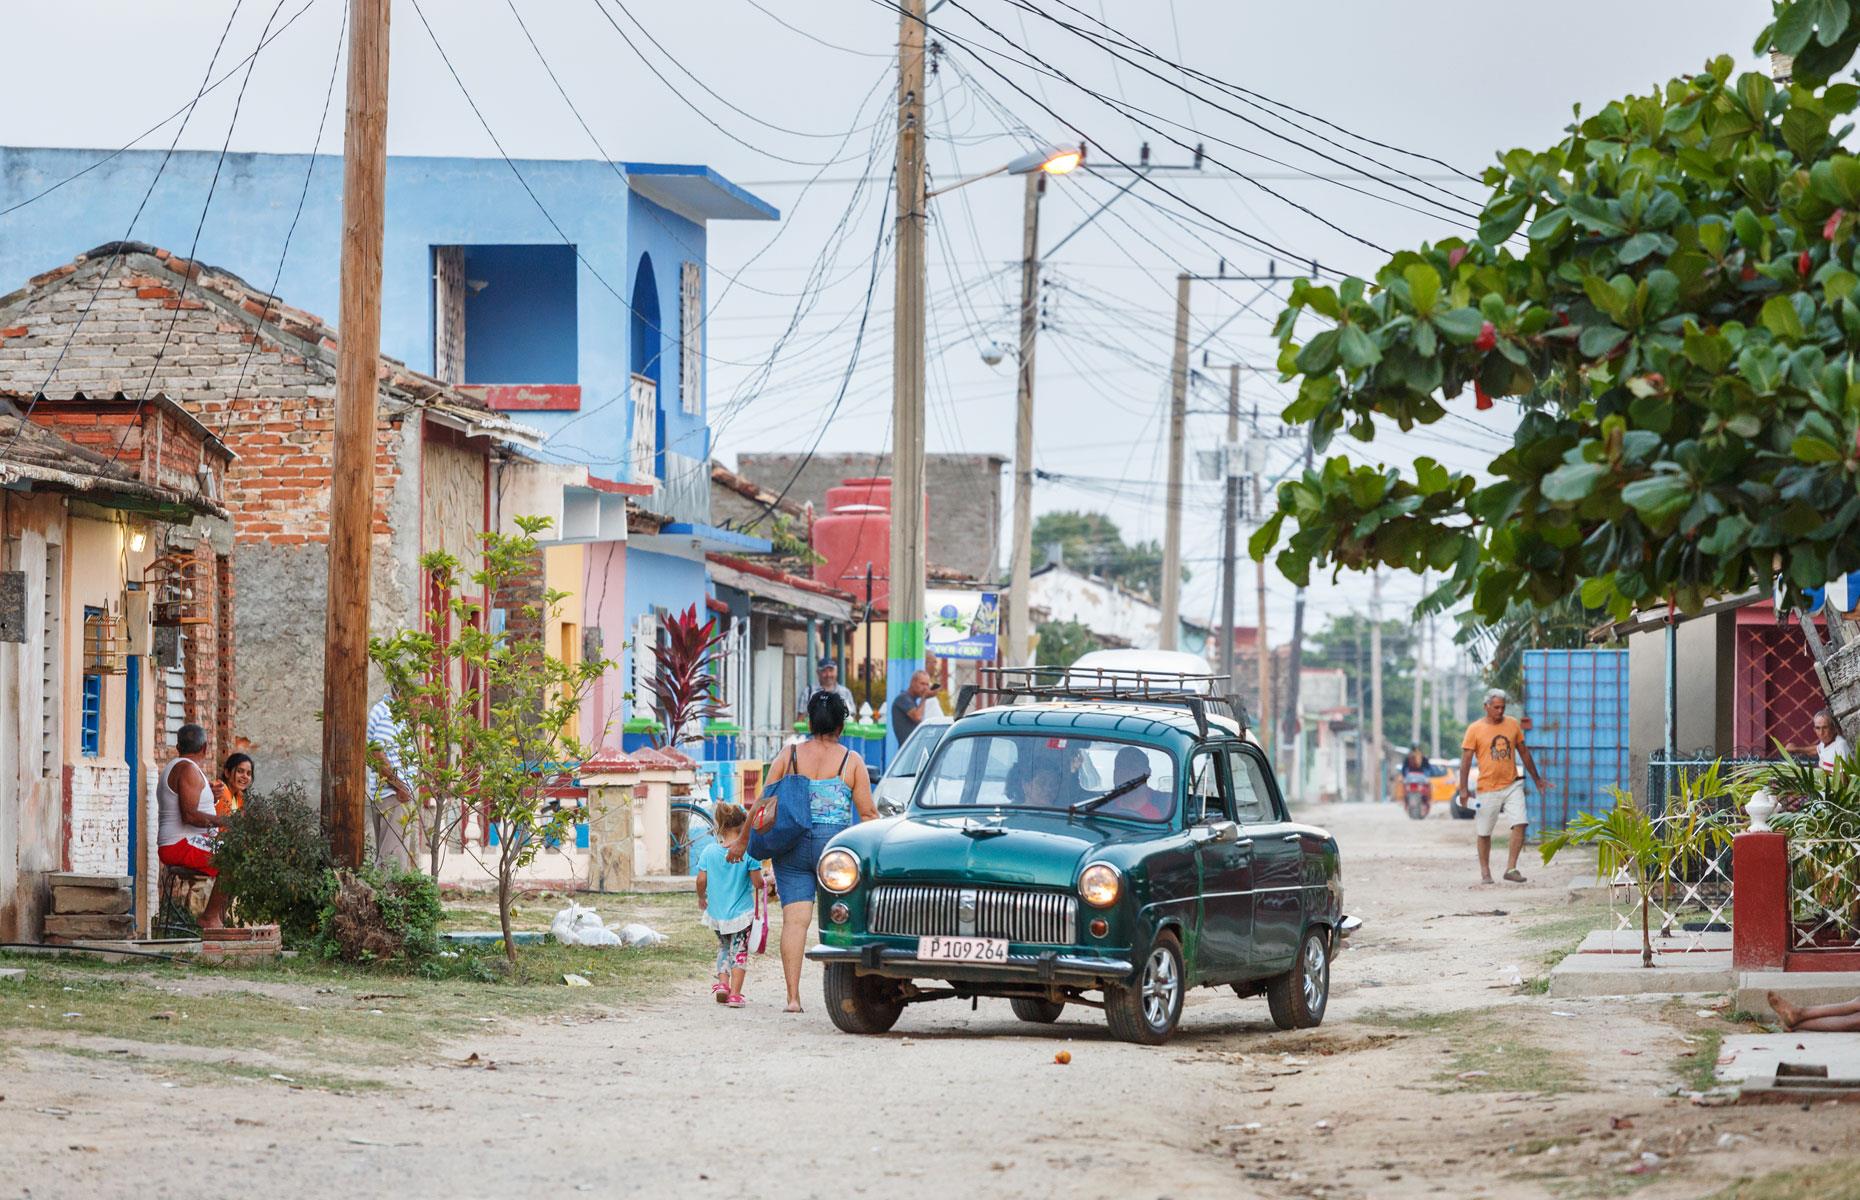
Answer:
x=570 y=294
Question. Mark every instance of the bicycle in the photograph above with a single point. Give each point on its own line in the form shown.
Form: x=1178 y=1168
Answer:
x=700 y=831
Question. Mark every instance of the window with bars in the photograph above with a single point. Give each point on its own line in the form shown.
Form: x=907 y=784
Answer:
x=90 y=717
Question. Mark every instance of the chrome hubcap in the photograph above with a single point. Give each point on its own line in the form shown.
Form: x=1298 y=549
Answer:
x=1316 y=976
x=1161 y=984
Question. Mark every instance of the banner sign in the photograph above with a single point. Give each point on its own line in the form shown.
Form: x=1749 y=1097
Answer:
x=961 y=624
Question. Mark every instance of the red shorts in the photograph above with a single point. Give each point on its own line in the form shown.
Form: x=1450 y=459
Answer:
x=186 y=854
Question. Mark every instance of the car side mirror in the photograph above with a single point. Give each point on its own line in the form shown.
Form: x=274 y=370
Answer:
x=1218 y=832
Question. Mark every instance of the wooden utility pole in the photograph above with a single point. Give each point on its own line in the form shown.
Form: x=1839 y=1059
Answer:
x=1377 y=755
x=905 y=614
x=1020 y=575
x=1230 y=514
x=1178 y=422
x=358 y=362
x=1295 y=665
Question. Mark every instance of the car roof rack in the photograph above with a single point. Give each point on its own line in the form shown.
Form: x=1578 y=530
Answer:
x=1200 y=694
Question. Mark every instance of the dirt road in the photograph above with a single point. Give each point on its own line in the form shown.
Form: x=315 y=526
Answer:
x=1431 y=1076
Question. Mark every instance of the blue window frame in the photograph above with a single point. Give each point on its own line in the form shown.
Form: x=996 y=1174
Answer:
x=90 y=717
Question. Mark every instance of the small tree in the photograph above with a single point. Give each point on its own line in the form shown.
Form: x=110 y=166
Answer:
x=684 y=683
x=488 y=717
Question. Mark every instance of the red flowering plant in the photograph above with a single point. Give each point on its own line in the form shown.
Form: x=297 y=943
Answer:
x=1667 y=302
x=684 y=677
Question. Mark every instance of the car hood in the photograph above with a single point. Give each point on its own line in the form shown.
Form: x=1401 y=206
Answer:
x=1033 y=849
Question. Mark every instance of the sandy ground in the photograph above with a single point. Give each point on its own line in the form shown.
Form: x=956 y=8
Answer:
x=680 y=1097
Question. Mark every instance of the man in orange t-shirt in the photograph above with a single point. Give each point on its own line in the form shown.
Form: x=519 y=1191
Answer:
x=1497 y=741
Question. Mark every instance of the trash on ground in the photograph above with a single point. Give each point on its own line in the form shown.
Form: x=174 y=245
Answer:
x=1063 y=1057
x=577 y=981
x=578 y=926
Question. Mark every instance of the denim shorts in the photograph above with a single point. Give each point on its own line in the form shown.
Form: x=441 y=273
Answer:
x=794 y=871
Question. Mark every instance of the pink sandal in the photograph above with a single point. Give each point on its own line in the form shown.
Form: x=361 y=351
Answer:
x=721 y=992
x=736 y=1001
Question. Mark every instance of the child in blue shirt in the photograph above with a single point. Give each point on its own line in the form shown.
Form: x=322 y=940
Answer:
x=727 y=892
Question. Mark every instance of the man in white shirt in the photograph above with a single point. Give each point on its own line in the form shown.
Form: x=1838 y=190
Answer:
x=1832 y=745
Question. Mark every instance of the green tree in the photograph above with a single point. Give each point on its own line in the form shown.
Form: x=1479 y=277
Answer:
x=1669 y=296
x=1092 y=542
x=488 y=717
x=1060 y=643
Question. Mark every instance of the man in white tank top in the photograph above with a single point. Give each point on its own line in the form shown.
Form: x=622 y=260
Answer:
x=189 y=825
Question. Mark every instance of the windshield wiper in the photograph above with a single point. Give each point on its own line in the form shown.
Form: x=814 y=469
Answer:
x=1122 y=789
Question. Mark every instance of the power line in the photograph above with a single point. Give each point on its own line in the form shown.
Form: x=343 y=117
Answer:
x=118 y=248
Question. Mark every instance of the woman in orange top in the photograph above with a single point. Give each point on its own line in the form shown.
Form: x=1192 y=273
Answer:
x=230 y=788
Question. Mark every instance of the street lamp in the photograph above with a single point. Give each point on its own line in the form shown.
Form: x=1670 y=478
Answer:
x=1054 y=160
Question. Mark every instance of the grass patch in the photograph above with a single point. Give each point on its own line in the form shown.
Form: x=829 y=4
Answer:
x=1482 y=1041
x=1700 y=1068
x=1417 y=1022
x=324 y=1011
x=1580 y=921
x=210 y=1070
x=1839 y=1180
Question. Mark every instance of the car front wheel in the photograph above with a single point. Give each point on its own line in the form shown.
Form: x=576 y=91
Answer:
x=1146 y=1010
x=860 y=1003
x=1298 y=997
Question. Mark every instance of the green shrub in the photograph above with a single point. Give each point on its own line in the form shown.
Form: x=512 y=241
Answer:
x=272 y=857
x=371 y=915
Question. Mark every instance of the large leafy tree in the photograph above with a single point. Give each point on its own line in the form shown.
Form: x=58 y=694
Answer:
x=1092 y=542
x=1669 y=296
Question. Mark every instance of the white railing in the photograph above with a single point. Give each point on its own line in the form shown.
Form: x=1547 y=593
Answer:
x=1691 y=901
x=1824 y=893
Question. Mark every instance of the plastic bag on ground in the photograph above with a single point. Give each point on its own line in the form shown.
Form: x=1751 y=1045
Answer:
x=635 y=934
x=578 y=926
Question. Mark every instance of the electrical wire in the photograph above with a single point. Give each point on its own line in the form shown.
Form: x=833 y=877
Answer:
x=117 y=250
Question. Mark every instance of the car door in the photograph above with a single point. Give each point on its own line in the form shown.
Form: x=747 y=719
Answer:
x=1278 y=861
x=1226 y=871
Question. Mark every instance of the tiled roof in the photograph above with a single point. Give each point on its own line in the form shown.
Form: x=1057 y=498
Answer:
x=33 y=453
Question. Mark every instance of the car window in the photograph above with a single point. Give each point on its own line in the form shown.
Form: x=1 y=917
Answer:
x=1252 y=797
x=916 y=751
x=1206 y=802
x=1041 y=771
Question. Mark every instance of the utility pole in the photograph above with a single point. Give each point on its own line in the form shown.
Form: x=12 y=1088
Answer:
x=1259 y=580
x=1294 y=666
x=1418 y=658
x=358 y=363
x=1377 y=755
x=1230 y=512
x=904 y=625
x=1433 y=686
x=1178 y=422
x=1020 y=578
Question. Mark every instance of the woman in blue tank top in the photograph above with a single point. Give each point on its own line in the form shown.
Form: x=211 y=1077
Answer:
x=841 y=796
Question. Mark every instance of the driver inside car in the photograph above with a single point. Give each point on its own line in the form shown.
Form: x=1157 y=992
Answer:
x=1141 y=801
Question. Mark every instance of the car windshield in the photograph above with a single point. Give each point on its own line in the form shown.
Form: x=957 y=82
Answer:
x=1037 y=771
x=916 y=750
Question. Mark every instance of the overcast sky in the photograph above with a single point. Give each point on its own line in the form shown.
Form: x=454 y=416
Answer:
x=773 y=106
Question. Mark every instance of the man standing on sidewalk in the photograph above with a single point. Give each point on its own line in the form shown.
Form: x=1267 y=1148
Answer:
x=1497 y=741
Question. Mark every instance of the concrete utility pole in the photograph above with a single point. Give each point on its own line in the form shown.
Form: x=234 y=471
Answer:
x=1433 y=686
x=1294 y=667
x=1178 y=422
x=1230 y=470
x=1020 y=577
x=352 y=508
x=1265 y=643
x=1419 y=662
x=904 y=626
x=1377 y=755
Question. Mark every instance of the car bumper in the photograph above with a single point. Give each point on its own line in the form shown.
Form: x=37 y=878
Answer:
x=1046 y=967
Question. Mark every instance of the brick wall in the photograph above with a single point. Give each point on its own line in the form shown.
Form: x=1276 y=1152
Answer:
x=99 y=819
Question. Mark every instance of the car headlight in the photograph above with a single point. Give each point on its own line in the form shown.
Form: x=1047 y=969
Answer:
x=839 y=871
x=1100 y=885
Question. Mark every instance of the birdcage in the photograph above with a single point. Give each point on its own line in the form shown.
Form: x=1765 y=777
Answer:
x=179 y=586
x=103 y=644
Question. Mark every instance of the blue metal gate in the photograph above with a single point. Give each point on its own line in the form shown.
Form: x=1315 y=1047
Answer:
x=1577 y=702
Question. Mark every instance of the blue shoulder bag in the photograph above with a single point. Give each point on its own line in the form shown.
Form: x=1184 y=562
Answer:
x=773 y=834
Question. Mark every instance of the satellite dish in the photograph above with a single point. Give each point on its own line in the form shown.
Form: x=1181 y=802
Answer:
x=993 y=353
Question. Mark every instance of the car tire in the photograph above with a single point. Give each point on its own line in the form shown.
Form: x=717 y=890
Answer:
x=860 y=1003
x=1036 y=1011
x=1299 y=997
x=1146 y=1010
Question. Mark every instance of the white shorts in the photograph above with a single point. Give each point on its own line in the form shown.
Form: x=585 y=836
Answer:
x=1506 y=803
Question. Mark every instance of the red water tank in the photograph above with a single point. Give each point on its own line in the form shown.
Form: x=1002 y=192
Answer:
x=855 y=532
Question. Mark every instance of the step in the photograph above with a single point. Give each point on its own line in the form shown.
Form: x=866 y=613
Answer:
x=69 y=899
x=1622 y=974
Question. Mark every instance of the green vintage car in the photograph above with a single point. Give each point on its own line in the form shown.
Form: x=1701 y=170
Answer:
x=1107 y=845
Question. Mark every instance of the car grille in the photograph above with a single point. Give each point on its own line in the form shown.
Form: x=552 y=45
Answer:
x=926 y=910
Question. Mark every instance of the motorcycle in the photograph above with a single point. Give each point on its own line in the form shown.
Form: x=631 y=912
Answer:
x=1415 y=797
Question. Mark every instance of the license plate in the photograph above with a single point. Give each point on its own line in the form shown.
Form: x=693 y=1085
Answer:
x=963 y=949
